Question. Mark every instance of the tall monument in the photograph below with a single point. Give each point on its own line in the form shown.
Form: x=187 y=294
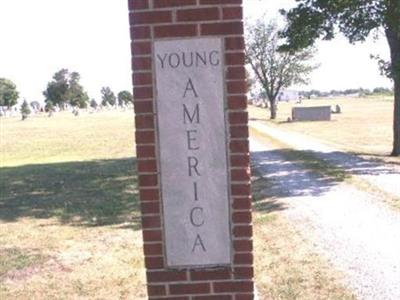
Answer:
x=192 y=148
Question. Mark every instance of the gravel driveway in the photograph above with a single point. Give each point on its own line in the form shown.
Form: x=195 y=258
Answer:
x=383 y=177
x=356 y=232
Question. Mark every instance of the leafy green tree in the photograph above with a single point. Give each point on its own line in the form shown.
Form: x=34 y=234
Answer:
x=76 y=94
x=124 y=97
x=93 y=104
x=8 y=93
x=273 y=69
x=49 y=107
x=356 y=19
x=66 y=89
x=57 y=91
x=25 y=111
x=107 y=96
x=35 y=105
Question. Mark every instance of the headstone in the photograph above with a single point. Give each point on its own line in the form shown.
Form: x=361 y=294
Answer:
x=192 y=148
x=315 y=113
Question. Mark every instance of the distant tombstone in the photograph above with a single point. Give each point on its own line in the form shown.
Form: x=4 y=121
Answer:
x=315 y=113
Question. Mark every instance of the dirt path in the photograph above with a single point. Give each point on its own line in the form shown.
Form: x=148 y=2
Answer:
x=357 y=233
x=381 y=176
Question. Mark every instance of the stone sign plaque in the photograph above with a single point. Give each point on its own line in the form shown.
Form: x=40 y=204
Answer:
x=193 y=151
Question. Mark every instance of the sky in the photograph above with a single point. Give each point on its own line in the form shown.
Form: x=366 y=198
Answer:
x=39 y=37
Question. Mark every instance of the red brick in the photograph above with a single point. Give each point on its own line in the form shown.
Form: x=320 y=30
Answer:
x=150 y=222
x=240 y=175
x=222 y=28
x=240 y=189
x=147 y=180
x=240 y=117
x=175 y=31
x=220 y=1
x=198 y=14
x=145 y=151
x=145 y=137
x=156 y=290
x=170 y=298
x=150 y=208
x=227 y=287
x=244 y=297
x=239 y=132
x=237 y=102
x=241 y=217
x=142 y=79
x=147 y=166
x=141 y=63
x=234 y=43
x=154 y=262
x=166 y=276
x=141 y=48
x=230 y=13
x=243 y=272
x=210 y=275
x=172 y=3
x=142 y=92
x=138 y=4
x=239 y=146
x=140 y=32
x=144 y=121
x=243 y=245
x=152 y=249
x=152 y=236
x=142 y=107
x=190 y=288
x=237 y=87
x=242 y=203
x=243 y=258
x=240 y=160
x=149 y=195
x=217 y=297
x=236 y=73
x=150 y=17
x=235 y=58
x=243 y=231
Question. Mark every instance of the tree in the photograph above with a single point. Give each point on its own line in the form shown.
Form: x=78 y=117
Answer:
x=35 y=105
x=8 y=93
x=107 y=96
x=25 y=111
x=57 y=90
x=275 y=70
x=124 y=97
x=76 y=94
x=356 y=19
x=66 y=89
x=93 y=104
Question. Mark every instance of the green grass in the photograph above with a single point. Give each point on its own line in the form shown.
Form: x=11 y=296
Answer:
x=94 y=192
x=69 y=211
x=16 y=259
x=66 y=138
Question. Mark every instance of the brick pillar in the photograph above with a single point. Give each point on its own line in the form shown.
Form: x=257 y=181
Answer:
x=157 y=20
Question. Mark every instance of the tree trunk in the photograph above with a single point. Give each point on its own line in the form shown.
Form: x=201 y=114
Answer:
x=396 y=122
x=273 y=109
x=394 y=44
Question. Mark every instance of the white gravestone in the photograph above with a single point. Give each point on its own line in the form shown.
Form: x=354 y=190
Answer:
x=193 y=151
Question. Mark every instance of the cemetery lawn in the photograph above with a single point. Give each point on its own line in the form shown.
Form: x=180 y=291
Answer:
x=364 y=126
x=70 y=226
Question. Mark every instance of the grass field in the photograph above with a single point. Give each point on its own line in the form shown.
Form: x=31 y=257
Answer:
x=69 y=217
x=364 y=126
